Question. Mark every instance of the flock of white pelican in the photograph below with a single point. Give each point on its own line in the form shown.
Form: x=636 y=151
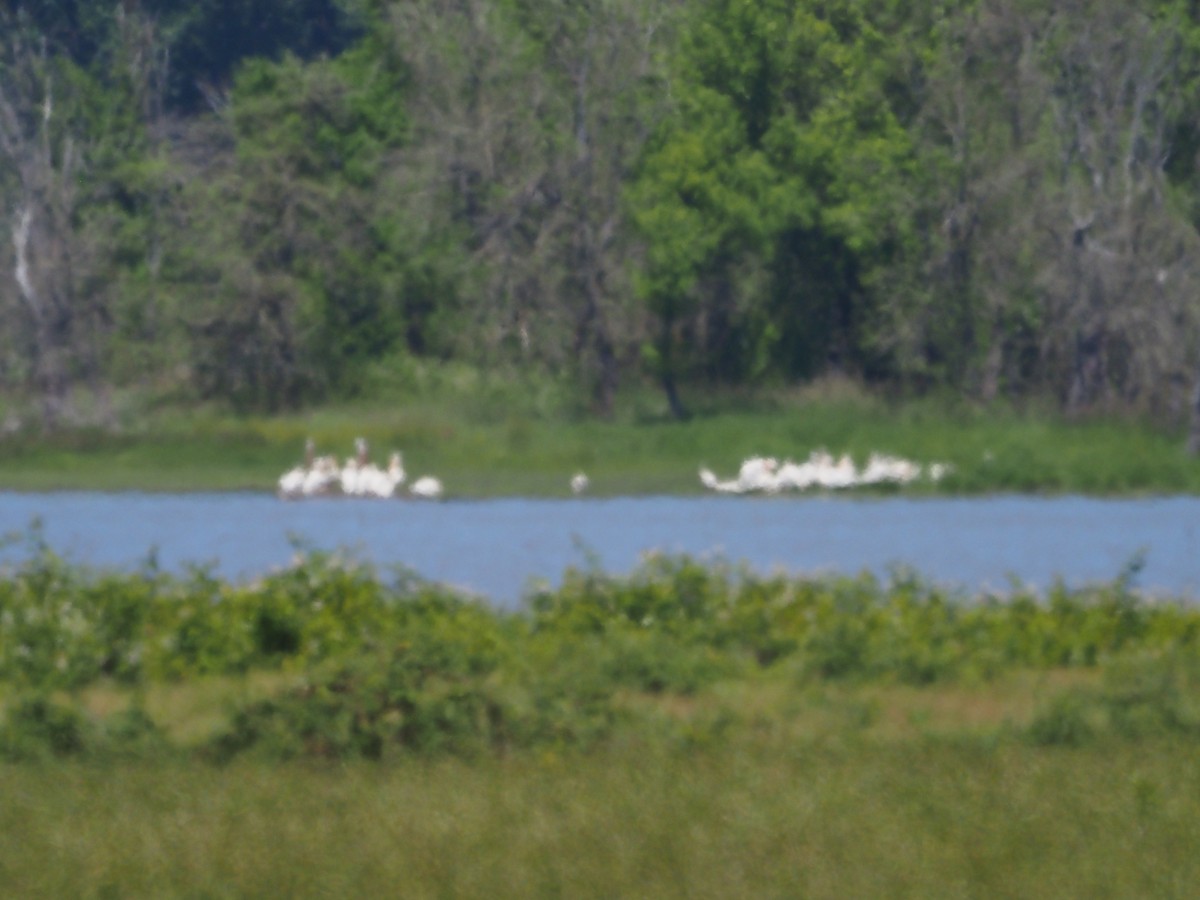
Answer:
x=322 y=476
x=765 y=474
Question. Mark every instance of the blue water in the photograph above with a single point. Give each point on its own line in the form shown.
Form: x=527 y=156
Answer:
x=497 y=548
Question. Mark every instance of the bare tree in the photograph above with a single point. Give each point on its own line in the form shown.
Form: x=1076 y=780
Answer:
x=525 y=134
x=1059 y=263
x=1119 y=277
x=42 y=198
x=60 y=291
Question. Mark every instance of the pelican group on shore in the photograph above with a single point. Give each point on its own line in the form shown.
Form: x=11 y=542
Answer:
x=322 y=476
x=765 y=474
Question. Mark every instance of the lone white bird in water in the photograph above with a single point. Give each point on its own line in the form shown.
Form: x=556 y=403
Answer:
x=426 y=487
x=579 y=483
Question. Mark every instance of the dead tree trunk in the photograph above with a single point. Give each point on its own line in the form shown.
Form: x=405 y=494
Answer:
x=47 y=166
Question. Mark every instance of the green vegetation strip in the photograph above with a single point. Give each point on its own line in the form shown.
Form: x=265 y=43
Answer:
x=689 y=730
x=493 y=449
x=366 y=666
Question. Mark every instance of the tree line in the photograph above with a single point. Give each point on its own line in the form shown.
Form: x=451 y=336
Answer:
x=258 y=201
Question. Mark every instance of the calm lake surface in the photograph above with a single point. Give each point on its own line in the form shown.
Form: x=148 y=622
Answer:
x=499 y=547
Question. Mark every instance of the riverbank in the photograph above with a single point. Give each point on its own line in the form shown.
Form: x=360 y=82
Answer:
x=479 y=453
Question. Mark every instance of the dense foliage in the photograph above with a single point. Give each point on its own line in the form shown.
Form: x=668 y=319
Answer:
x=370 y=666
x=270 y=203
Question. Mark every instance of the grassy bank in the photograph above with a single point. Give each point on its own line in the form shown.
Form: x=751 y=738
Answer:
x=689 y=730
x=499 y=447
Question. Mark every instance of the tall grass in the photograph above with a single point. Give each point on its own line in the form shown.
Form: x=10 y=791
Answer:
x=759 y=817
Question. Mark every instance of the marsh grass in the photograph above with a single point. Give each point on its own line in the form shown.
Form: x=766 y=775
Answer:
x=757 y=815
x=497 y=443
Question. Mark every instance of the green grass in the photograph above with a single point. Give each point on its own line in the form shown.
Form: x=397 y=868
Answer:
x=759 y=815
x=495 y=446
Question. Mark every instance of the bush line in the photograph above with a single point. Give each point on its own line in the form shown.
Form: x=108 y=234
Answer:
x=386 y=662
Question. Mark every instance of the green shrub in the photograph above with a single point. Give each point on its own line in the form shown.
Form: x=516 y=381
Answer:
x=37 y=726
x=457 y=673
x=1069 y=719
x=1139 y=698
x=427 y=695
x=131 y=732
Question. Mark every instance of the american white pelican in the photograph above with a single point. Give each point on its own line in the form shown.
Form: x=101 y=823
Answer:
x=759 y=473
x=881 y=468
x=375 y=482
x=352 y=481
x=427 y=487
x=579 y=483
x=709 y=479
x=349 y=477
x=321 y=478
x=756 y=474
x=796 y=476
x=396 y=468
x=291 y=482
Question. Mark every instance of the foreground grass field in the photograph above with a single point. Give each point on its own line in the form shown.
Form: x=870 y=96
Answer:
x=691 y=730
x=759 y=815
x=497 y=446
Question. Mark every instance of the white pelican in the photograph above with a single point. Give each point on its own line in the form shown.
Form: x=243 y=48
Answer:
x=759 y=473
x=291 y=482
x=756 y=474
x=427 y=487
x=321 y=478
x=796 y=477
x=881 y=467
x=579 y=483
x=349 y=477
x=376 y=482
x=396 y=468
x=841 y=474
x=352 y=482
x=710 y=481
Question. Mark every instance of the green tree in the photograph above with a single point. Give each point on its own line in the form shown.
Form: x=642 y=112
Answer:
x=766 y=200
x=297 y=283
x=527 y=118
